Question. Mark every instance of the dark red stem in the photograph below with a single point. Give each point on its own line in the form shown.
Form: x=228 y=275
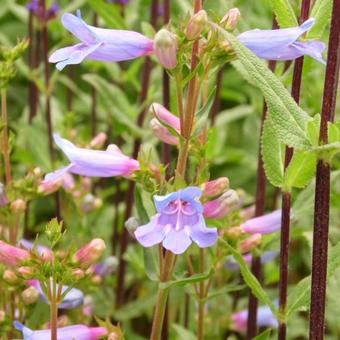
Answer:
x=120 y=289
x=322 y=187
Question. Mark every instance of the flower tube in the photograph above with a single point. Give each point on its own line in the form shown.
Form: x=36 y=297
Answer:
x=178 y=222
x=99 y=43
x=12 y=256
x=93 y=163
x=283 y=44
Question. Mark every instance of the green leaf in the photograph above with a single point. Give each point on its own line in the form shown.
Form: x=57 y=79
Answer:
x=272 y=155
x=141 y=211
x=289 y=120
x=250 y=279
x=300 y=170
x=321 y=11
x=182 y=333
x=264 y=335
x=151 y=263
x=313 y=130
x=284 y=13
x=333 y=132
x=110 y=13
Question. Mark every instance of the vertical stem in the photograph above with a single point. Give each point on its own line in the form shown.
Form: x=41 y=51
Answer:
x=201 y=305
x=5 y=144
x=94 y=96
x=260 y=199
x=70 y=94
x=120 y=289
x=53 y=309
x=286 y=196
x=322 y=187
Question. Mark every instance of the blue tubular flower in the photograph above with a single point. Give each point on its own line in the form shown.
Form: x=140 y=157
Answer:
x=99 y=44
x=283 y=44
x=179 y=221
x=72 y=299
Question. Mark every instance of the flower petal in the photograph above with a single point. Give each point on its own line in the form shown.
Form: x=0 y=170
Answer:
x=203 y=236
x=162 y=201
x=177 y=241
x=58 y=174
x=312 y=48
x=150 y=234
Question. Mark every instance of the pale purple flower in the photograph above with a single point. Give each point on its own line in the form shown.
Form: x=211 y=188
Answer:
x=72 y=299
x=106 y=267
x=265 y=318
x=41 y=250
x=93 y=163
x=233 y=265
x=99 y=43
x=178 y=222
x=283 y=44
x=77 y=332
x=265 y=224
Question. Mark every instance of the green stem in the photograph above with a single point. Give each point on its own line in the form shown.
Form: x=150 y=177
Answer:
x=168 y=266
x=54 y=310
x=5 y=144
x=201 y=296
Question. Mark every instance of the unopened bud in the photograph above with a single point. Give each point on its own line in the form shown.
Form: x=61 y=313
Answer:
x=166 y=48
x=90 y=253
x=3 y=196
x=230 y=20
x=10 y=277
x=18 y=205
x=30 y=295
x=226 y=45
x=250 y=243
x=97 y=279
x=78 y=274
x=37 y=171
x=222 y=206
x=26 y=272
x=49 y=187
x=196 y=25
x=99 y=140
x=85 y=183
x=162 y=133
x=248 y=212
x=234 y=232
x=2 y=316
x=131 y=225
x=12 y=256
x=216 y=187
x=113 y=336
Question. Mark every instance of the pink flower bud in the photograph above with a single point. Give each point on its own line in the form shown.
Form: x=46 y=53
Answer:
x=248 y=212
x=99 y=140
x=215 y=187
x=18 y=205
x=10 y=277
x=196 y=25
x=2 y=315
x=250 y=243
x=234 y=232
x=162 y=132
x=230 y=20
x=165 y=44
x=222 y=206
x=30 y=295
x=3 y=197
x=12 y=256
x=90 y=253
x=78 y=273
x=49 y=187
x=26 y=272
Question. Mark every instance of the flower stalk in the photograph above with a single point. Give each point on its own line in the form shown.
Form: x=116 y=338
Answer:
x=5 y=141
x=322 y=186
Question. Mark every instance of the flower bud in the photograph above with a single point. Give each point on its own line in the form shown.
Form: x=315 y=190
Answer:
x=68 y=181
x=221 y=206
x=26 y=272
x=162 y=133
x=97 y=279
x=234 y=232
x=3 y=196
x=230 y=20
x=30 y=295
x=18 y=205
x=90 y=253
x=99 y=140
x=49 y=187
x=250 y=243
x=248 y=212
x=131 y=225
x=2 y=316
x=215 y=187
x=10 y=277
x=85 y=183
x=78 y=274
x=12 y=256
x=165 y=44
x=196 y=24
x=37 y=171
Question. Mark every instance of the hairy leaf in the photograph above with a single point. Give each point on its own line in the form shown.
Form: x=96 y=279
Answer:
x=321 y=11
x=284 y=13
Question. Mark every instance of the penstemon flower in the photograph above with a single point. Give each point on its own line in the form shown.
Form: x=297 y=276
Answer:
x=72 y=299
x=99 y=43
x=79 y=332
x=283 y=44
x=265 y=318
x=12 y=256
x=265 y=224
x=96 y=163
x=178 y=222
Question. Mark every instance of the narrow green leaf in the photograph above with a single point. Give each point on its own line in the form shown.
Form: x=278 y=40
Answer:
x=250 y=279
x=301 y=170
x=182 y=333
x=264 y=335
x=272 y=154
x=321 y=11
x=289 y=120
x=141 y=211
x=284 y=13
x=110 y=13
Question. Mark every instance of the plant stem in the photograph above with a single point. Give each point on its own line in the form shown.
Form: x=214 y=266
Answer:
x=168 y=267
x=120 y=289
x=322 y=186
x=201 y=292
x=5 y=142
x=53 y=309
